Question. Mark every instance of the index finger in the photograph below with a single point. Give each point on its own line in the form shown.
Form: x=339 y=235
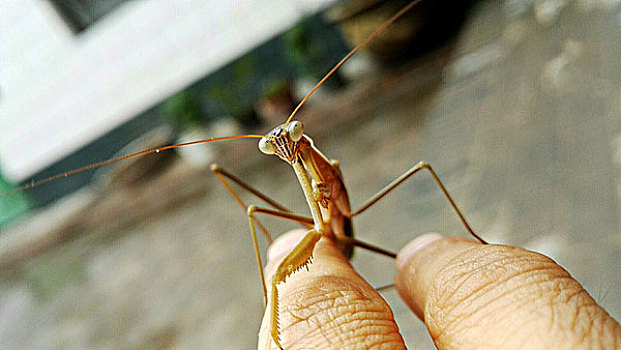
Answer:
x=329 y=306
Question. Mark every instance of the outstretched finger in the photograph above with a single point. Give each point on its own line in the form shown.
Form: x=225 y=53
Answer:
x=475 y=296
x=329 y=306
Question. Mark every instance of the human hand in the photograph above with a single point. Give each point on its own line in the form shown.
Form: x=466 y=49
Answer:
x=470 y=296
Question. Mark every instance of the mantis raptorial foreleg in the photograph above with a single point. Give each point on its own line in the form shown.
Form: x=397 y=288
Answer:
x=252 y=210
x=296 y=259
x=299 y=257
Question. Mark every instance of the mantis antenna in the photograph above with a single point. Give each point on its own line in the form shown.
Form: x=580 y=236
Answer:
x=351 y=53
x=114 y=160
x=159 y=149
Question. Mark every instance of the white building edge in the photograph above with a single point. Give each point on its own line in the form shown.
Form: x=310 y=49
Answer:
x=59 y=91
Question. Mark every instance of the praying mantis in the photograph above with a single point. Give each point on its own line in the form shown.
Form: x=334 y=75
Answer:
x=326 y=190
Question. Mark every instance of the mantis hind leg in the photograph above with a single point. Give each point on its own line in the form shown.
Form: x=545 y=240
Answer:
x=398 y=181
x=364 y=245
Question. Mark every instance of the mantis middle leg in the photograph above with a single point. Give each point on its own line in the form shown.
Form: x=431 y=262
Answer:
x=405 y=176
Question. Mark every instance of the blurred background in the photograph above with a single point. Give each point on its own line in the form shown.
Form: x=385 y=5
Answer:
x=515 y=103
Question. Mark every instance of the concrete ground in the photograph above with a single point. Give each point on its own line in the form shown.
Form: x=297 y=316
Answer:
x=521 y=118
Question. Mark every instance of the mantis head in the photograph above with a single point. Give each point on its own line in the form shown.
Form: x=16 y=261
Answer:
x=283 y=141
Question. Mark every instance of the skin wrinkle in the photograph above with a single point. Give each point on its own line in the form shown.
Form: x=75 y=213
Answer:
x=608 y=330
x=308 y=306
x=464 y=279
x=306 y=298
x=466 y=276
x=553 y=326
x=485 y=289
x=538 y=312
x=373 y=340
x=461 y=334
x=378 y=340
x=519 y=287
x=588 y=328
x=585 y=311
x=323 y=333
x=574 y=318
x=328 y=308
x=362 y=335
x=470 y=267
x=611 y=323
x=548 y=304
x=366 y=326
x=595 y=332
x=472 y=272
x=477 y=294
x=552 y=312
x=544 y=302
x=363 y=324
x=359 y=333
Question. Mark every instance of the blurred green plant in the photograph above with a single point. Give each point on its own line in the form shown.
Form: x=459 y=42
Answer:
x=308 y=54
x=13 y=206
x=184 y=111
x=235 y=96
x=301 y=50
x=241 y=111
x=243 y=69
x=275 y=88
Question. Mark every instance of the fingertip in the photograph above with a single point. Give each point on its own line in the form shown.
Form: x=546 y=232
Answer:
x=410 y=271
x=419 y=263
x=284 y=243
x=327 y=293
x=415 y=246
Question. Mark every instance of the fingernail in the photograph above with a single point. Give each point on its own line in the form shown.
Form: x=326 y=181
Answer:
x=415 y=246
x=284 y=243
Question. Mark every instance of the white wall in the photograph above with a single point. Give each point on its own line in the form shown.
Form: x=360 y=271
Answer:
x=59 y=91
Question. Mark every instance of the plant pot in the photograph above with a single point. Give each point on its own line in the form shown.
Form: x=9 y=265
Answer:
x=427 y=25
x=275 y=107
x=198 y=155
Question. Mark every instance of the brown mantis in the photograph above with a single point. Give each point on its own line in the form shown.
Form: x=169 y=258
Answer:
x=325 y=194
x=322 y=185
x=323 y=189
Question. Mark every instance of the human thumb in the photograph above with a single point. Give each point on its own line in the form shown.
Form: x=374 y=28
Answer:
x=475 y=296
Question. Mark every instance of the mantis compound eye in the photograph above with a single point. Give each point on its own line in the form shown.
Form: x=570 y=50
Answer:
x=266 y=146
x=295 y=130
